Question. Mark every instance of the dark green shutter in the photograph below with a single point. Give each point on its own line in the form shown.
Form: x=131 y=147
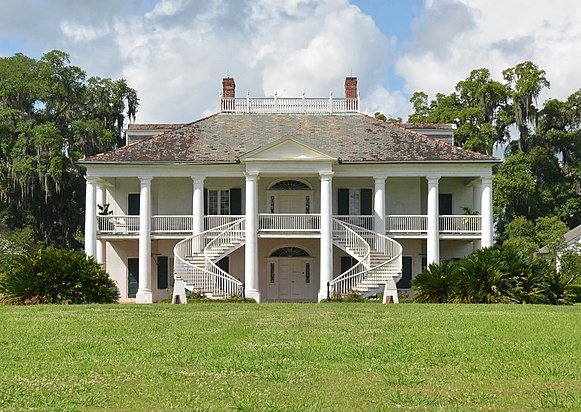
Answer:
x=133 y=204
x=132 y=277
x=366 y=202
x=347 y=262
x=224 y=264
x=236 y=201
x=205 y=202
x=406 y=273
x=162 y=272
x=445 y=203
x=343 y=201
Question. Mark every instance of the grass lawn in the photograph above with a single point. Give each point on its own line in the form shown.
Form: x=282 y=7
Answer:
x=290 y=357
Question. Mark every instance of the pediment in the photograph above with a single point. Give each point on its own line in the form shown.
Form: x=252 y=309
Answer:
x=286 y=150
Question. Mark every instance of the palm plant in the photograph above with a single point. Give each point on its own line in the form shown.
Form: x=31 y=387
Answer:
x=435 y=283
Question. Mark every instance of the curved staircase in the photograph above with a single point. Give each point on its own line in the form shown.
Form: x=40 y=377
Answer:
x=379 y=261
x=196 y=261
x=378 y=264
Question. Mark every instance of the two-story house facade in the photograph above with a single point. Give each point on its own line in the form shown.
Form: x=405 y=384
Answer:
x=283 y=199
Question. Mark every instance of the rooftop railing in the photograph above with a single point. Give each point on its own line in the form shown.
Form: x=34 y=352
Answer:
x=289 y=105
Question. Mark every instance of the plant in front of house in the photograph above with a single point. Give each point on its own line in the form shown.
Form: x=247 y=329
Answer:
x=55 y=276
x=434 y=284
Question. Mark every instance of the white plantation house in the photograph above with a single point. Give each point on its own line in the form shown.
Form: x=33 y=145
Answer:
x=283 y=199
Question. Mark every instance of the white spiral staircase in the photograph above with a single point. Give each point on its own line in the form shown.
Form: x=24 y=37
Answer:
x=378 y=261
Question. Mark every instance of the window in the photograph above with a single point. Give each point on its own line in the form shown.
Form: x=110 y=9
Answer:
x=223 y=201
x=162 y=272
x=445 y=203
x=132 y=277
x=272 y=273
x=307 y=272
x=290 y=251
x=133 y=204
x=355 y=201
x=290 y=185
x=347 y=262
x=406 y=276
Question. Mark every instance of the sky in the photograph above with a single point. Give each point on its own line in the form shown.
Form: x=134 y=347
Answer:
x=176 y=52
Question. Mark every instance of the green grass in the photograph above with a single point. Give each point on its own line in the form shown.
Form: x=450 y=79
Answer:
x=290 y=357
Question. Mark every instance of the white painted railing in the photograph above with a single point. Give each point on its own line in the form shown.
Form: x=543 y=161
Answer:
x=460 y=224
x=282 y=222
x=289 y=105
x=213 y=221
x=349 y=240
x=171 y=224
x=407 y=224
x=206 y=277
x=366 y=277
x=365 y=221
x=118 y=224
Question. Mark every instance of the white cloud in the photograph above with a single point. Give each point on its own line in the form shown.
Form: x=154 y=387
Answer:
x=454 y=37
x=177 y=58
x=82 y=33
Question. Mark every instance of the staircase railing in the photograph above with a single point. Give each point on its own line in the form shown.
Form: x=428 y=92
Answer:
x=354 y=244
x=391 y=267
x=209 y=278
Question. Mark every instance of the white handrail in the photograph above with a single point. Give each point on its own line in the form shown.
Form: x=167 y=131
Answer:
x=391 y=267
x=210 y=278
x=289 y=105
x=296 y=222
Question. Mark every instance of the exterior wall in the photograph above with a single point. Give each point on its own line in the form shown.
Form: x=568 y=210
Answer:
x=462 y=194
x=171 y=196
x=404 y=195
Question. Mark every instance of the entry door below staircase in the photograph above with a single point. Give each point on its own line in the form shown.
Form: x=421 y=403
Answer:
x=293 y=283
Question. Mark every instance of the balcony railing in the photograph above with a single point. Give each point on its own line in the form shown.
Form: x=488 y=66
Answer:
x=284 y=222
x=411 y=225
x=289 y=105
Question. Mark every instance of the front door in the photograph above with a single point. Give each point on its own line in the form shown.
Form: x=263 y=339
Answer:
x=290 y=202
x=291 y=279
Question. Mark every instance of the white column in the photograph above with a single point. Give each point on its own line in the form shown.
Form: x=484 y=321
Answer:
x=433 y=242
x=101 y=199
x=379 y=205
x=486 y=211
x=326 y=255
x=91 y=216
x=198 y=209
x=144 y=292
x=251 y=233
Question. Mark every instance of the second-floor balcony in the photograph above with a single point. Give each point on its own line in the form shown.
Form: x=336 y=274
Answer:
x=459 y=226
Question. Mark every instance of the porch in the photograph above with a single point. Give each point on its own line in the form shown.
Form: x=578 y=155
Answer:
x=404 y=226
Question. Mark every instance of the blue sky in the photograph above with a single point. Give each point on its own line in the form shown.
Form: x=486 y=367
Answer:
x=175 y=52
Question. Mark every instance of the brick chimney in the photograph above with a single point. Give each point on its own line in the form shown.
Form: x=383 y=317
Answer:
x=228 y=87
x=351 y=87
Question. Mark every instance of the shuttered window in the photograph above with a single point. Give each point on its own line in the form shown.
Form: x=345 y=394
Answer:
x=406 y=276
x=162 y=272
x=355 y=201
x=132 y=277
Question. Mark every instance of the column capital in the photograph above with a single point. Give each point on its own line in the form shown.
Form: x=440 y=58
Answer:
x=486 y=180
x=251 y=175
x=198 y=178
x=379 y=179
x=433 y=178
x=91 y=179
x=326 y=175
x=145 y=179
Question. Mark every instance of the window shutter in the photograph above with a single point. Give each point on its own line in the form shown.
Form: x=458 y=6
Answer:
x=205 y=201
x=366 y=202
x=162 y=272
x=343 y=201
x=133 y=204
x=236 y=201
x=406 y=273
x=132 y=277
x=445 y=203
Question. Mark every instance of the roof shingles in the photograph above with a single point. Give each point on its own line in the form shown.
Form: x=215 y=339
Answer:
x=225 y=137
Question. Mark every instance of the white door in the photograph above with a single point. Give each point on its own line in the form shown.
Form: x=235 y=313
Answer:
x=291 y=202
x=292 y=283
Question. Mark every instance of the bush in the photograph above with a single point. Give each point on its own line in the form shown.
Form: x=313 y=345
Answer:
x=435 y=283
x=493 y=275
x=55 y=276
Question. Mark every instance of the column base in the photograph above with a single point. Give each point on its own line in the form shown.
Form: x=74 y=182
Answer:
x=252 y=294
x=322 y=296
x=144 y=296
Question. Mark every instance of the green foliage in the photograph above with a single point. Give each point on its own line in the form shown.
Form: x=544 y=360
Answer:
x=435 y=283
x=494 y=275
x=55 y=276
x=380 y=116
x=51 y=115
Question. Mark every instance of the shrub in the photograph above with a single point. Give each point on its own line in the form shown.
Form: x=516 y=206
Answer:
x=434 y=284
x=56 y=276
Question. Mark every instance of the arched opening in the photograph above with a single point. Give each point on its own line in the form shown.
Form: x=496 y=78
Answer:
x=289 y=196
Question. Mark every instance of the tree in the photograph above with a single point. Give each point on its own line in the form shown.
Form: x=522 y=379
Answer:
x=524 y=82
x=51 y=115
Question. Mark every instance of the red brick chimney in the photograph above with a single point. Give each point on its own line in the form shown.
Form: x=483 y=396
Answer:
x=351 y=87
x=228 y=87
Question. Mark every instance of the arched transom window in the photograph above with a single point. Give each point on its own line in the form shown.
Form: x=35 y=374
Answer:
x=290 y=185
x=290 y=251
